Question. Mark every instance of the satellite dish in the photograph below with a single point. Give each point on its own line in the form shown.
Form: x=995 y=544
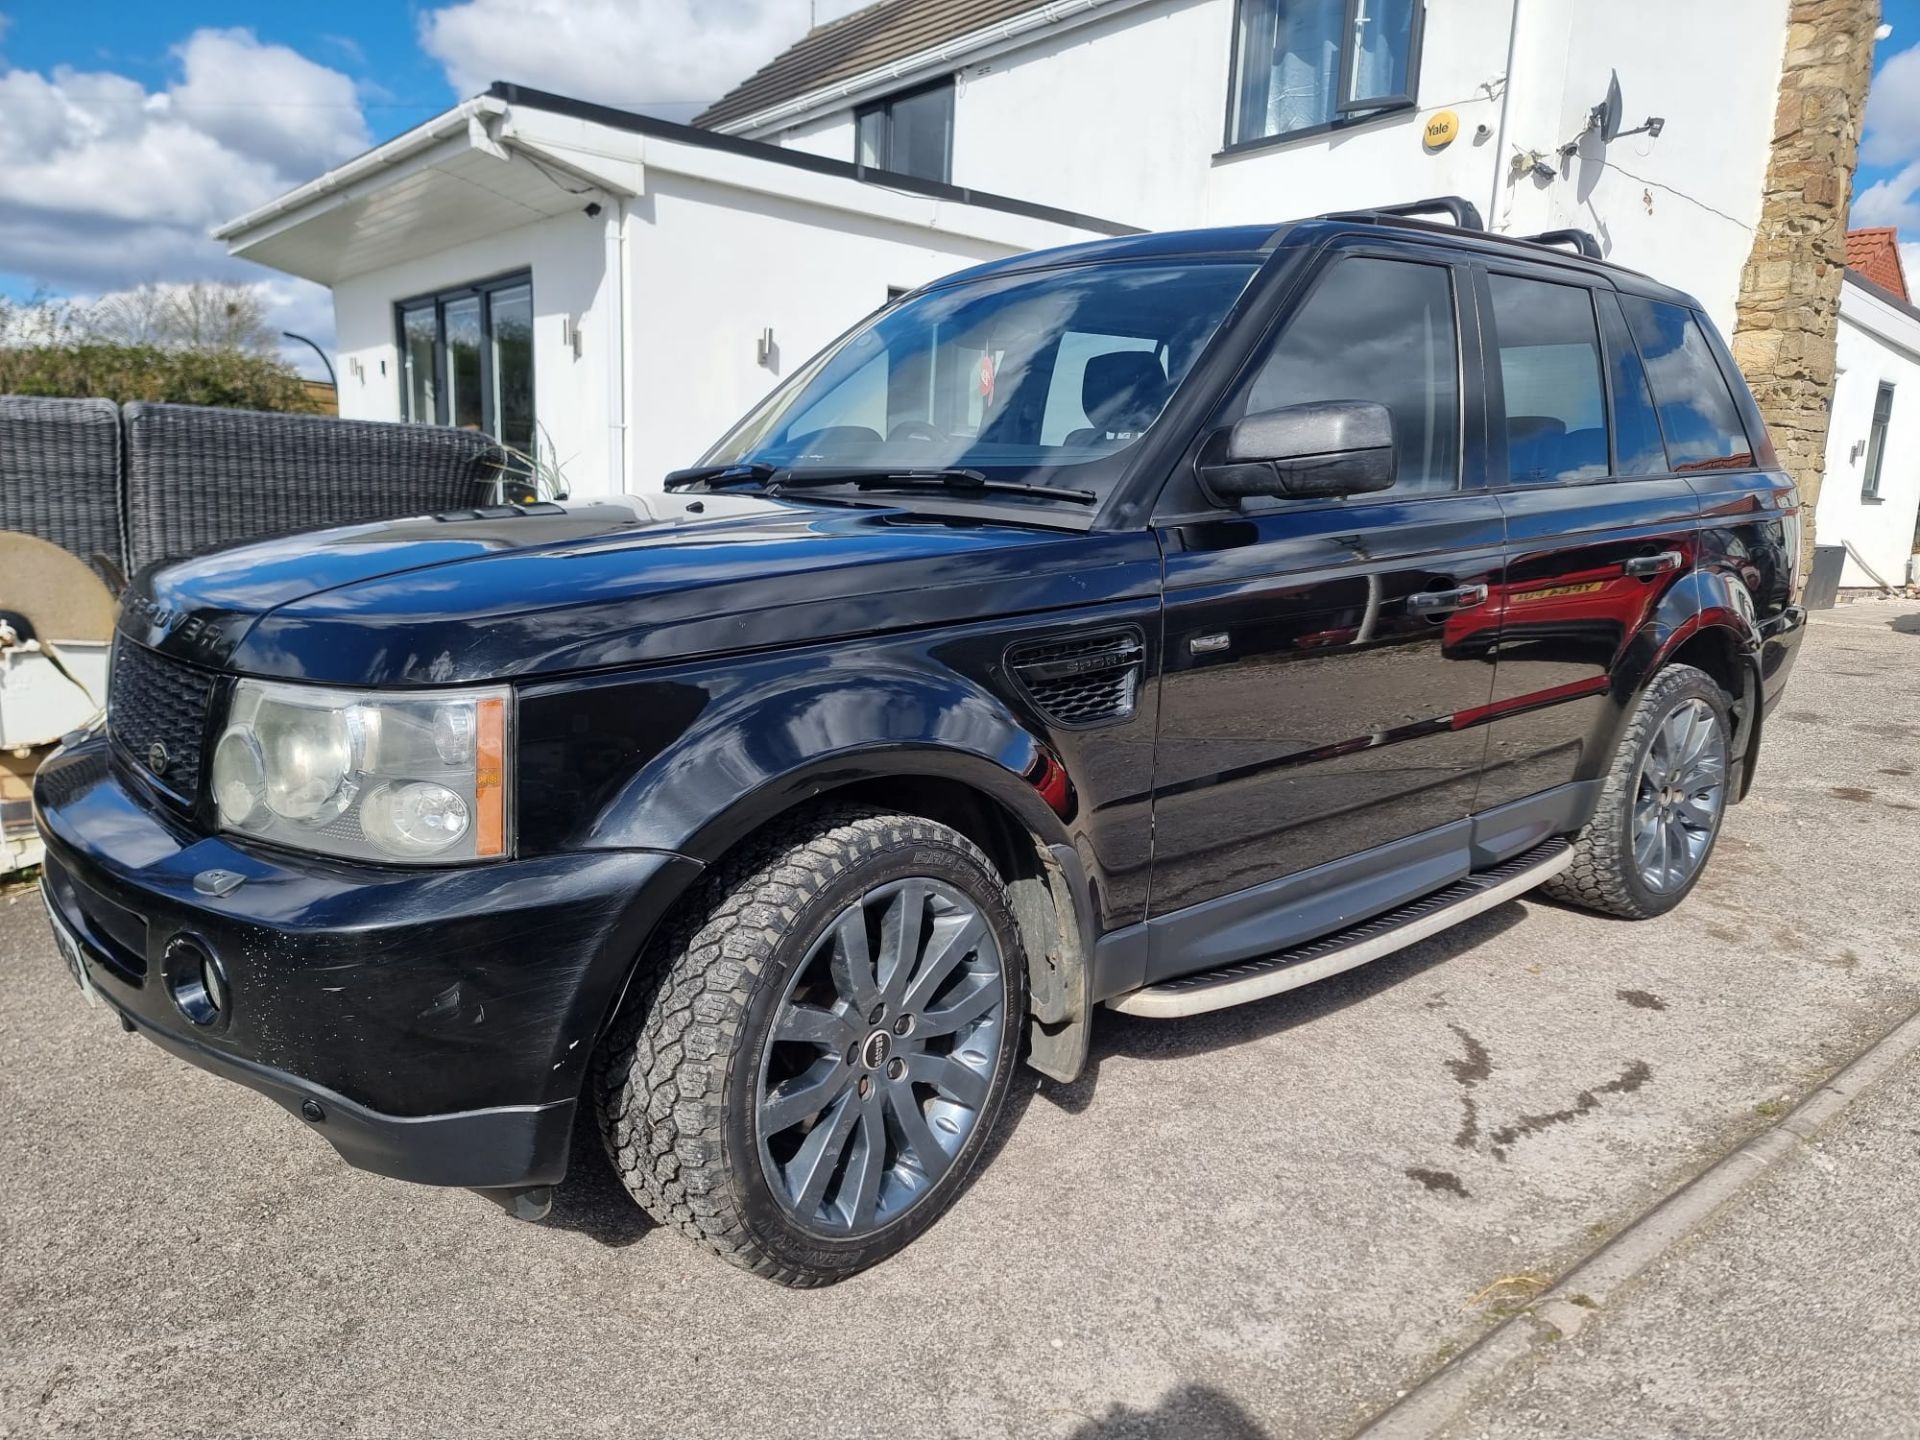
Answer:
x=1606 y=115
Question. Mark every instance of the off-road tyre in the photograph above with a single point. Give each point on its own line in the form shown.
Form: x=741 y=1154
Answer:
x=674 y=1078
x=1603 y=876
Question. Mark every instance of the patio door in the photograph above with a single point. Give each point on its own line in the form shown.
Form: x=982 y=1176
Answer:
x=466 y=359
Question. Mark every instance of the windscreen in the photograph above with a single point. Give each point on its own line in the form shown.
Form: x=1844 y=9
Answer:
x=1007 y=375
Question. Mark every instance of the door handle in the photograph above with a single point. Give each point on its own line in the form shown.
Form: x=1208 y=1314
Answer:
x=1441 y=602
x=1647 y=565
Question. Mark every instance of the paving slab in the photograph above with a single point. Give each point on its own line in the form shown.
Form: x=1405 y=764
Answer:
x=1266 y=1221
x=1791 y=1313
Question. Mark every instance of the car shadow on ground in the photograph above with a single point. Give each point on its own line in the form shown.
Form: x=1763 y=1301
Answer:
x=1905 y=624
x=1193 y=1412
x=1136 y=1038
x=591 y=1199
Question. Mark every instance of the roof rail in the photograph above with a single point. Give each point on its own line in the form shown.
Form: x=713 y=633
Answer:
x=1462 y=211
x=1580 y=240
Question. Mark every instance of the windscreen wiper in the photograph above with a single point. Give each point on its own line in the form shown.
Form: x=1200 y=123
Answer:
x=944 y=478
x=738 y=472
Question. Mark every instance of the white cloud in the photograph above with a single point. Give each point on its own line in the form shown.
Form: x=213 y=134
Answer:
x=267 y=102
x=1910 y=266
x=108 y=184
x=1892 y=201
x=665 y=55
x=1892 y=131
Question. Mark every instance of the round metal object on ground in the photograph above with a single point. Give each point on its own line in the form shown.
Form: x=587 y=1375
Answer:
x=1681 y=791
x=880 y=1057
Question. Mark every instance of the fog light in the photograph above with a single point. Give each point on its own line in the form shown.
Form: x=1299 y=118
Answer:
x=195 y=981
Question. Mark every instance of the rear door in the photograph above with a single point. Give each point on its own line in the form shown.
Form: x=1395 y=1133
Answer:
x=1598 y=526
x=1319 y=654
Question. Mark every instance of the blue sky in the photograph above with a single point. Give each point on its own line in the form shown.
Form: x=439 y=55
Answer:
x=133 y=128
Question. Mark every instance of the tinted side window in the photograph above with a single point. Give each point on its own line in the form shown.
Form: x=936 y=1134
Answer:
x=1637 y=449
x=1380 y=330
x=1550 y=371
x=1697 y=410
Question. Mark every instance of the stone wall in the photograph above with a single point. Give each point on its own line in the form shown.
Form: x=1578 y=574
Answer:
x=1789 y=303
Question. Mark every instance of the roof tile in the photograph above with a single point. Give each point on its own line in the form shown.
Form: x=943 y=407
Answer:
x=1875 y=254
x=854 y=44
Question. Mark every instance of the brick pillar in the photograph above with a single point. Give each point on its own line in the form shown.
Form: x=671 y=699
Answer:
x=1789 y=304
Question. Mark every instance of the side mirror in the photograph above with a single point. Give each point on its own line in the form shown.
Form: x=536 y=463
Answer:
x=1327 y=447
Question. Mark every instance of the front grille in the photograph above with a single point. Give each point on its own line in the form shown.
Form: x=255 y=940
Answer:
x=1088 y=680
x=157 y=716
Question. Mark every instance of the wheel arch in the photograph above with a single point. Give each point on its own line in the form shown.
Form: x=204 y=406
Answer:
x=1008 y=815
x=1705 y=619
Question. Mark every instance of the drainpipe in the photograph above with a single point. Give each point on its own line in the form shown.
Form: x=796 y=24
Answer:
x=1500 y=132
x=619 y=441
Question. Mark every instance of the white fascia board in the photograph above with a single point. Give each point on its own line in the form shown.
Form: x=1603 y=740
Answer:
x=243 y=238
x=382 y=163
x=609 y=158
x=973 y=48
x=754 y=175
x=1888 y=324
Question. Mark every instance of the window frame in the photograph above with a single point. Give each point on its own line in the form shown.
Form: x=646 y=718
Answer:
x=1470 y=398
x=1500 y=474
x=1878 y=425
x=883 y=107
x=437 y=301
x=1346 y=111
x=1739 y=398
x=1346 y=104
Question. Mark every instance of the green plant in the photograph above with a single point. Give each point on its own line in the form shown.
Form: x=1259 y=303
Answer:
x=111 y=371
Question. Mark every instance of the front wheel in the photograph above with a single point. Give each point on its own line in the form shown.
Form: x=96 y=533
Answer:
x=823 y=1045
x=1660 y=810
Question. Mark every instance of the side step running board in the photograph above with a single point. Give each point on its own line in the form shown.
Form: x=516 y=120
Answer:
x=1395 y=930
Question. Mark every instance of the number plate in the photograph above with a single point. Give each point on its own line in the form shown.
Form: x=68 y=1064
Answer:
x=71 y=950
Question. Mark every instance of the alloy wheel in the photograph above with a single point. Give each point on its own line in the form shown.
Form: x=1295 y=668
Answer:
x=881 y=1057
x=1678 y=800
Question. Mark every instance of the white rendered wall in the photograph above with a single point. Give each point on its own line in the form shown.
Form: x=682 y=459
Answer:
x=712 y=267
x=831 y=136
x=1878 y=343
x=1681 y=208
x=1124 y=118
x=567 y=256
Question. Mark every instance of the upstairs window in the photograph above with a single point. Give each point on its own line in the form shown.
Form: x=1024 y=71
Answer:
x=909 y=134
x=1305 y=64
x=1877 y=442
x=466 y=359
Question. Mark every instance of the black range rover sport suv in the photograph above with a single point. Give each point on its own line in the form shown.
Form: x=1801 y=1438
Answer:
x=1161 y=623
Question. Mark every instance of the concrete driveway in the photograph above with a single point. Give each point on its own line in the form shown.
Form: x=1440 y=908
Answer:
x=1268 y=1221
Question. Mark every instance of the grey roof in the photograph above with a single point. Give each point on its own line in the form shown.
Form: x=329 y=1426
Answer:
x=855 y=44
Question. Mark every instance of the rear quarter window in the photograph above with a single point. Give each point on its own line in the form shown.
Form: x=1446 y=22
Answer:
x=1697 y=409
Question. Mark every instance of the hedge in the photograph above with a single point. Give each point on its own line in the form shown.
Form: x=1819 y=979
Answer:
x=99 y=369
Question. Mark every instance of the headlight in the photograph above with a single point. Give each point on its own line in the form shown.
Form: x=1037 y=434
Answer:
x=417 y=776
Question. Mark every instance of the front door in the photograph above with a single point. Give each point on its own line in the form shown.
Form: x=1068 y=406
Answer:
x=1323 y=659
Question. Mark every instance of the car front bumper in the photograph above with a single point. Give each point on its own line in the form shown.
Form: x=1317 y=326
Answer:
x=432 y=1025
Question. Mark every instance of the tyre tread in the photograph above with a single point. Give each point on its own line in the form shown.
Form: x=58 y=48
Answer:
x=662 y=1072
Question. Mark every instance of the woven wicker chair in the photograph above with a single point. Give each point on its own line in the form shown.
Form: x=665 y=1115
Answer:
x=60 y=475
x=197 y=478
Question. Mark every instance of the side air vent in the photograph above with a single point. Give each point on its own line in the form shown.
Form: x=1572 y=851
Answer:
x=1088 y=680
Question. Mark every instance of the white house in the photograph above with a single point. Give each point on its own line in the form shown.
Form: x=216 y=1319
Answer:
x=1870 y=499
x=1168 y=113
x=607 y=289
x=622 y=288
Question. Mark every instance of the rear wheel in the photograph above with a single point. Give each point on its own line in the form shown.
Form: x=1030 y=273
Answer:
x=823 y=1047
x=1660 y=810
